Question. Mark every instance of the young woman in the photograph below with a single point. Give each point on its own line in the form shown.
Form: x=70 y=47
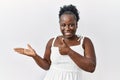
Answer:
x=68 y=54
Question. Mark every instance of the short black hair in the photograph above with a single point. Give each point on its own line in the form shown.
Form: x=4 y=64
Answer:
x=69 y=8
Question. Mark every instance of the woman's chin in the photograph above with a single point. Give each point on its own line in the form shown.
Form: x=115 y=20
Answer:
x=68 y=36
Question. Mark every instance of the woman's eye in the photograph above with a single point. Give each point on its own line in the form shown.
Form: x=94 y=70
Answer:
x=71 y=25
x=63 y=25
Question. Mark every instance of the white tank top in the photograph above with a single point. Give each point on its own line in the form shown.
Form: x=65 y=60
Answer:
x=62 y=66
x=64 y=62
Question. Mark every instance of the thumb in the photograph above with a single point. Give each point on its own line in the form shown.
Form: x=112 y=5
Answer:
x=63 y=41
x=29 y=47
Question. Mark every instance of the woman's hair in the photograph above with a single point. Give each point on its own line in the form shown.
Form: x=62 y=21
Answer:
x=69 y=9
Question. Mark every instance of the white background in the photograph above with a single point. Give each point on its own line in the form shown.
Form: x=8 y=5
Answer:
x=36 y=21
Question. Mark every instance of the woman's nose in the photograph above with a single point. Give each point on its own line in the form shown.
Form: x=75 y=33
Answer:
x=67 y=27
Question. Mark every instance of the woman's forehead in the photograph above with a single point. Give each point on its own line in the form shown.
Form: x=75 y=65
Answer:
x=67 y=17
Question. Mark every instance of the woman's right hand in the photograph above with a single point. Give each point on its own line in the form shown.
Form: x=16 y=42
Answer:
x=29 y=52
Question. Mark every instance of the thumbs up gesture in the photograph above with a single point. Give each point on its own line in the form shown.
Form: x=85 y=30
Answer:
x=64 y=48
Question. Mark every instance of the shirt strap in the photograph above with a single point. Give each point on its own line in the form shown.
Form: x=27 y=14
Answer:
x=53 y=41
x=81 y=39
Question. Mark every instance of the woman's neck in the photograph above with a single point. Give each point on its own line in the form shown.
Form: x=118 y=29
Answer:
x=71 y=38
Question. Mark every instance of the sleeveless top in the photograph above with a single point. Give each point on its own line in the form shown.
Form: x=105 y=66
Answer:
x=62 y=66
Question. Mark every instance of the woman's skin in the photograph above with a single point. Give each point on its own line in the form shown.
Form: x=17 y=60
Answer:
x=68 y=27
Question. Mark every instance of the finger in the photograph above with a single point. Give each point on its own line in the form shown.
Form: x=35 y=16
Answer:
x=19 y=50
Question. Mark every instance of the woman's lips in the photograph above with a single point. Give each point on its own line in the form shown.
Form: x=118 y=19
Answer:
x=68 y=33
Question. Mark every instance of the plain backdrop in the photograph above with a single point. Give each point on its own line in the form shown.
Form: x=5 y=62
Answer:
x=34 y=22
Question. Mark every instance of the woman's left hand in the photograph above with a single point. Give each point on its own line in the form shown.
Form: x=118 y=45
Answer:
x=64 y=48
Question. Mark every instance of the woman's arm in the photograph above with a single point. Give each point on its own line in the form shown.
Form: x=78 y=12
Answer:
x=44 y=62
x=86 y=62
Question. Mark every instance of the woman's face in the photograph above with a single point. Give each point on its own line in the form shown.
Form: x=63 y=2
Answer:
x=68 y=25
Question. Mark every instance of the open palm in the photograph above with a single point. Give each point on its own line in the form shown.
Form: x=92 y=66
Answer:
x=29 y=52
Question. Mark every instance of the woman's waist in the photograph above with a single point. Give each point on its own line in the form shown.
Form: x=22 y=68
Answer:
x=65 y=67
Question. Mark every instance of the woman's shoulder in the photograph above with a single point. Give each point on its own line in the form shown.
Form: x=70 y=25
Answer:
x=83 y=37
x=52 y=39
x=87 y=41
